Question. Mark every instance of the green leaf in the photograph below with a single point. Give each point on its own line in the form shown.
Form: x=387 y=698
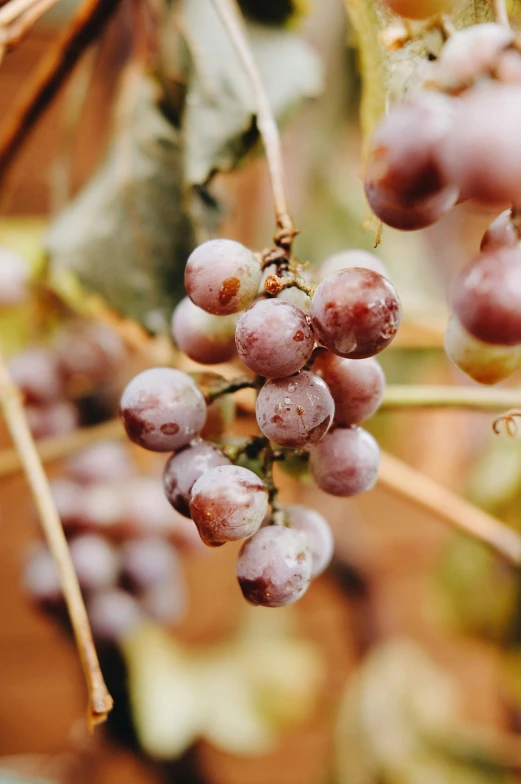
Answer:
x=219 y=117
x=127 y=235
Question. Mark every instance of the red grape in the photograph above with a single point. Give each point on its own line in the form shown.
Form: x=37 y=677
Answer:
x=222 y=277
x=89 y=349
x=41 y=577
x=274 y=567
x=52 y=419
x=356 y=385
x=162 y=409
x=96 y=562
x=355 y=313
x=114 y=614
x=166 y=601
x=205 y=338
x=274 y=338
x=345 y=462
x=184 y=468
x=487 y=297
x=37 y=375
x=318 y=533
x=228 y=503
x=147 y=562
x=483 y=362
x=106 y=461
x=295 y=411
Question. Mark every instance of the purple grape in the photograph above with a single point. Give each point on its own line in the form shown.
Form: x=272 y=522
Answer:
x=96 y=562
x=345 y=462
x=89 y=349
x=487 y=297
x=52 y=419
x=37 y=375
x=148 y=562
x=482 y=153
x=274 y=338
x=318 y=533
x=296 y=297
x=68 y=497
x=501 y=233
x=184 y=468
x=483 y=362
x=405 y=184
x=228 y=503
x=113 y=615
x=167 y=602
x=106 y=461
x=103 y=506
x=356 y=385
x=14 y=277
x=275 y=566
x=222 y=277
x=162 y=409
x=355 y=313
x=146 y=511
x=345 y=259
x=41 y=578
x=204 y=338
x=469 y=55
x=295 y=411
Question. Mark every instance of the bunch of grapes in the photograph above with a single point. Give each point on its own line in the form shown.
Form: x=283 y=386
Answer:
x=453 y=139
x=311 y=354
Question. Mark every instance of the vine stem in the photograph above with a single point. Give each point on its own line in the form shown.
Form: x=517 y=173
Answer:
x=414 y=486
x=231 y=18
x=500 y=12
x=100 y=701
x=438 y=396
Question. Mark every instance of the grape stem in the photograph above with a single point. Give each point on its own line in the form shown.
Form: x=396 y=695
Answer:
x=232 y=20
x=434 y=396
x=225 y=387
x=100 y=701
x=500 y=12
x=414 y=486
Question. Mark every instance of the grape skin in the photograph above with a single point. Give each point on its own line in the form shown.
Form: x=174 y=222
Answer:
x=295 y=411
x=147 y=562
x=296 y=297
x=483 y=362
x=114 y=614
x=351 y=258
x=274 y=567
x=184 y=468
x=222 y=277
x=106 y=461
x=228 y=503
x=162 y=409
x=345 y=463
x=318 y=533
x=90 y=350
x=487 y=297
x=41 y=577
x=36 y=373
x=356 y=385
x=274 y=338
x=501 y=233
x=355 y=313
x=205 y=338
x=52 y=419
x=96 y=562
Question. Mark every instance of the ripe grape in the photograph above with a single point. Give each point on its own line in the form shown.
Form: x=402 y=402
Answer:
x=103 y=506
x=52 y=419
x=355 y=313
x=419 y=9
x=356 y=385
x=106 y=461
x=469 y=55
x=167 y=601
x=90 y=350
x=318 y=533
x=162 y=409
x=482 y=153
x=228 y=503
x=295 y=297
x=483 y=362
x=274 y=567
x=345 y=462
x=501 y=233
x=147 y=562
x=184 y=468
x=114 y=614
x=36 y=373
x=96 y=562
x=222 y=277
x=351 y=258
x=405 y=184
x=41 y=577
x=68 y=498
x=274 y=338
x=205 y=338
x=295 y=411
x=13 y=278
x=487 y=297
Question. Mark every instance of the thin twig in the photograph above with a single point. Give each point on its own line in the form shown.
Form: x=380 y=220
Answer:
x=434 y=396
x=14 y=33
x=414 y=486
x=40 y=90
x=266 y=123
x=500 y=12
x=100 y=701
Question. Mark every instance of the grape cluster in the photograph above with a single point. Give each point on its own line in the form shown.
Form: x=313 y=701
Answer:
x=311 y=354
x=458 y=139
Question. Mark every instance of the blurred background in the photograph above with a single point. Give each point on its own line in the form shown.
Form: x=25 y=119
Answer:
x=402 y=662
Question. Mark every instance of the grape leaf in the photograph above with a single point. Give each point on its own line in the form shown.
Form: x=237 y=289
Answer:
x=127 y=235
x=219 y=117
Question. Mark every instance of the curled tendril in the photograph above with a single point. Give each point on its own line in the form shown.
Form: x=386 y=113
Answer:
x=510 y=421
